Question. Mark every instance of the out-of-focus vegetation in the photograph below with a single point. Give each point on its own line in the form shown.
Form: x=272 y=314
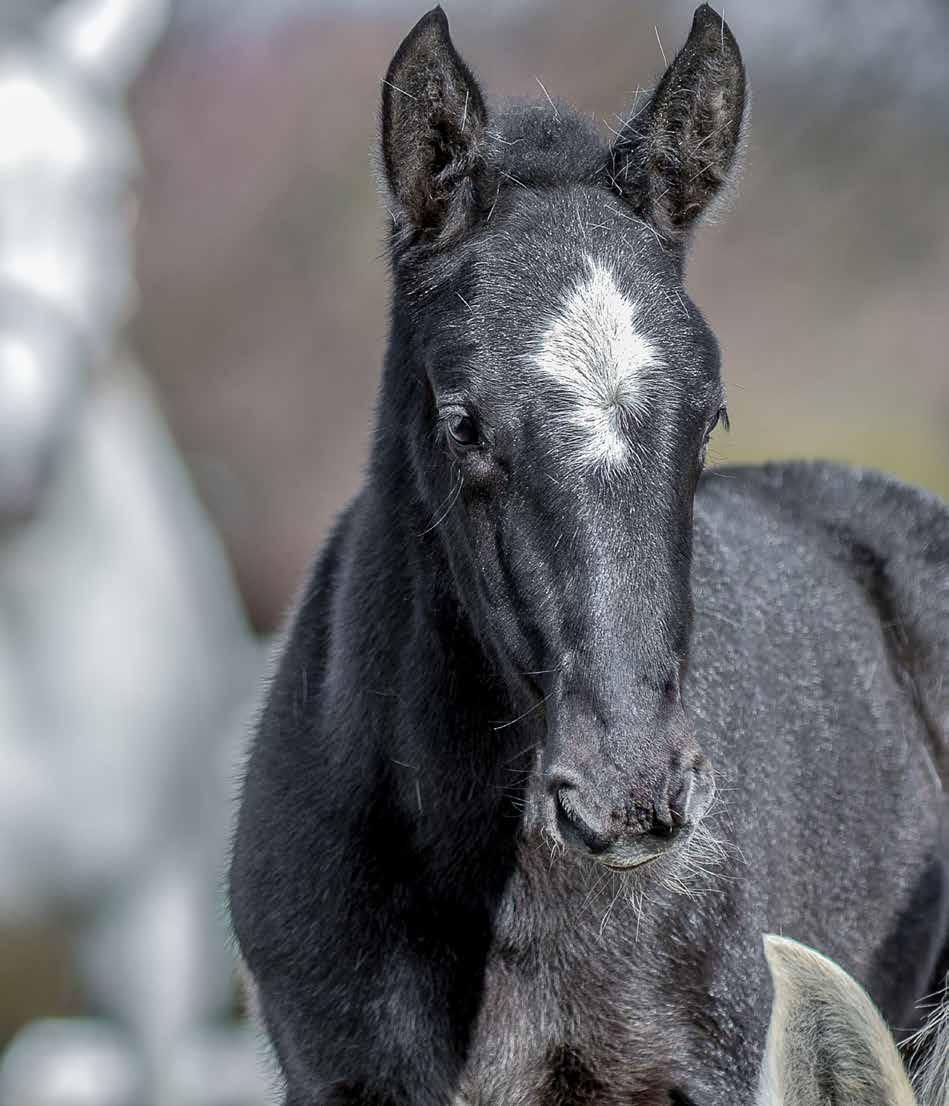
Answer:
x=264 y=284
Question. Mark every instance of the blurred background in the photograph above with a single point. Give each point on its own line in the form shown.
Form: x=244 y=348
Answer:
x=193 y=311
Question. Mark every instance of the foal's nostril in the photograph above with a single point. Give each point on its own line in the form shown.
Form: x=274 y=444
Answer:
x=681 y=804
x=627 y=834
x=666 y=826
x=571 y=822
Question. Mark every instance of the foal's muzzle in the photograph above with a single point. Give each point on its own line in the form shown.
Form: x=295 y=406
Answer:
x=627 y=834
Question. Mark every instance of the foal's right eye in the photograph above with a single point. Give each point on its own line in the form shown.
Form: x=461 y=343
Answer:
x=463 y=431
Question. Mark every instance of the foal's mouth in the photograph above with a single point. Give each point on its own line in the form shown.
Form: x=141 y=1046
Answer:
x=614 y=866
x=642 y=852
x=624 y=854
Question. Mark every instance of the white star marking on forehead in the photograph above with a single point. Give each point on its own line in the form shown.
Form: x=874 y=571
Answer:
x=600 y=368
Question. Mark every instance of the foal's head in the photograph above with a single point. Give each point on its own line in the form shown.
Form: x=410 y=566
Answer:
x=558 y=389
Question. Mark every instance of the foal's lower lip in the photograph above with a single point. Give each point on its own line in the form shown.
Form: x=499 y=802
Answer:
x=634 y=864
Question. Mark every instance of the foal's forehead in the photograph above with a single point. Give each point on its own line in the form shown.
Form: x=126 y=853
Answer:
x=589 y=322
x=574 y=260
x=598 y=369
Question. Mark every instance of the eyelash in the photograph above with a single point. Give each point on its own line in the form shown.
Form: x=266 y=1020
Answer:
x=721 y=418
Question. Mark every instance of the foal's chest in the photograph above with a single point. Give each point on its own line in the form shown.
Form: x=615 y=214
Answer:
x=558 y=1021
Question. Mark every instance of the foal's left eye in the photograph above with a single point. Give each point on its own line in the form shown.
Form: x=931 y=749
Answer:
x=463 y=430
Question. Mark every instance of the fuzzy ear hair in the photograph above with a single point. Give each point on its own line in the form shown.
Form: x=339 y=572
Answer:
x=826 y=1041
x=433 y=132
x=672 y=158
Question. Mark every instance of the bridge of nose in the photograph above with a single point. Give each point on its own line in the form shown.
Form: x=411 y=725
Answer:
x=612 y=724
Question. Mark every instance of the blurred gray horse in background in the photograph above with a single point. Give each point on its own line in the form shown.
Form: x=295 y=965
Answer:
x=125 y=657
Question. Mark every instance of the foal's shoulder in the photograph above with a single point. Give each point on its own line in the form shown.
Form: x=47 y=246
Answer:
x=892 y=539
x=861 y=510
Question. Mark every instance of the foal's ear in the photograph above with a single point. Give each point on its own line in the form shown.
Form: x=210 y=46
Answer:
x=826 y=1041
x=433 y=132
x=672 y=159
